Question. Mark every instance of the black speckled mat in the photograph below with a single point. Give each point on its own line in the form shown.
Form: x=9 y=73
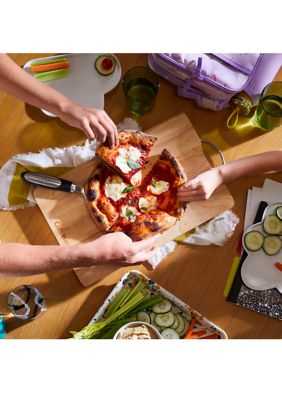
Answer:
x=267 y=302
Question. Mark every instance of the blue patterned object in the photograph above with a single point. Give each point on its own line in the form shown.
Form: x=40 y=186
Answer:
x=2 y=328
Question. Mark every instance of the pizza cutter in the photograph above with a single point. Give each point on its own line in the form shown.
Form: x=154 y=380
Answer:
x=52 y=182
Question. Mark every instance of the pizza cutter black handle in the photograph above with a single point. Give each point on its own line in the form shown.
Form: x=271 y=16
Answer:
x=48 y=181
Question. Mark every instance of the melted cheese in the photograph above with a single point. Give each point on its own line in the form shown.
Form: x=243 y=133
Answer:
x=136 y=178
x=132 y=153
x=158 y=187
x=114 y=187
x=129 y=213
x=147 y=204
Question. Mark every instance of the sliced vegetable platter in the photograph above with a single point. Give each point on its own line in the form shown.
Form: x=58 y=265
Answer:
x=138 y=298
x=84 y=78
x=262 y=268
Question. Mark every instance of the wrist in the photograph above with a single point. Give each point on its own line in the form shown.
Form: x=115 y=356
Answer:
x=220 y=176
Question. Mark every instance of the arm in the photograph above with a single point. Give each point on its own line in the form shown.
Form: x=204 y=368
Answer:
x=18 y=83
x=114 y=248
x=202 y=187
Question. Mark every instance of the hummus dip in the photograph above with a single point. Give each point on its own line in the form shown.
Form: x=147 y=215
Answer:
x=137 y=332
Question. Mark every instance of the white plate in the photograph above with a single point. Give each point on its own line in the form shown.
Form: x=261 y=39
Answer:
x=258 y=270
x=83 y=85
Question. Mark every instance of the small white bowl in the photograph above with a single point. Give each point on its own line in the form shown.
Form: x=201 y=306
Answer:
x=139 y=323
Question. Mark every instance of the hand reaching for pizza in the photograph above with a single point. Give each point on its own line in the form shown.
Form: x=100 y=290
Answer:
x=201 y=187
x=93 y=122
x=119 y=248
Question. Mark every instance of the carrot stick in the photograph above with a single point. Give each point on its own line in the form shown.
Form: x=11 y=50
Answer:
x=279 y=266
x=49 y=67
x=198 y=334
x=190 y=330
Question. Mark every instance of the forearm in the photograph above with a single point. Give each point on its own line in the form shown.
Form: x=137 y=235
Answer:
x=20 y=259
x=249 y=166
x=16 y=82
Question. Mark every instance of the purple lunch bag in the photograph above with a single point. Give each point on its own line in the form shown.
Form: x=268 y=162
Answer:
x=213 y=79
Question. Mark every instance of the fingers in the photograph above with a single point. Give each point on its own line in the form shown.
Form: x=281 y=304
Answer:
x=145 y=255
x=146 y=244
x=87 y=130
x=113 y=130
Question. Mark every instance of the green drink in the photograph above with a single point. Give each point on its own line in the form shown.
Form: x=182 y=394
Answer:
x=269 y=112
x=140 y=87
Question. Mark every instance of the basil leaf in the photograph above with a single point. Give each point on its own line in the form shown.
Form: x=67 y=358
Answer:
x=133 y=164
x=144 y=208
x=129 y=213
x=154 y=183
x=128 y=189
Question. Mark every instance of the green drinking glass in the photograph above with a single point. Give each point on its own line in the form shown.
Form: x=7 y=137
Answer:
x=268 y=114
x=140 y=86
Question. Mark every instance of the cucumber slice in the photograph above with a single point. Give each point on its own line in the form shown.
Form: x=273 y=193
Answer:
x=176 y=322
x=144 y=317
x=279 y=212
x=170 y=333
x=272 y=225
x=272 y=245
x=253 y=240
x=165 y=320
x=186 y=325
x=152 y=316
x=181 y=323
x=163 y=307
x=105 y=65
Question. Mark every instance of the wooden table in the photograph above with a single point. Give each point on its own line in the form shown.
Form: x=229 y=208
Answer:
x=197 y=275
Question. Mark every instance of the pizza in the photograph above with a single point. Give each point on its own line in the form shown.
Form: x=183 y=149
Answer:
x=128 y=158
x=139 y=210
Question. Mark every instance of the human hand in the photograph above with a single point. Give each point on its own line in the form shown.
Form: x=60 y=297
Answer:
x=119 y=248
x=201 y=187
x=93 y=122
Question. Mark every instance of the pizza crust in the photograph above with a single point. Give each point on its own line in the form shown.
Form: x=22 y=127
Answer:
x=175 y=166
x=102 y=211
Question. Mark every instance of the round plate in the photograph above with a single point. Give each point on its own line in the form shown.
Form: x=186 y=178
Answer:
x=83 y=85
x=258 y=270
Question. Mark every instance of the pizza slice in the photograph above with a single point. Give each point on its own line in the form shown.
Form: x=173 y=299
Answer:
x=161 y=184
x=128 y=158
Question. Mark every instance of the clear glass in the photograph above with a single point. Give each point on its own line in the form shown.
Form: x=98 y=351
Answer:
x=268 y=114
x=26 y=302
x=140 y=86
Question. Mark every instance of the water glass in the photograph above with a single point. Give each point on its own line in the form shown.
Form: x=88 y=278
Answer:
x=268 y=115
x=140 y=86
x=26 y=302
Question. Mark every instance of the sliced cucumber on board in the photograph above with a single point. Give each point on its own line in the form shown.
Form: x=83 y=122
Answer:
x=105 y=65
x=253 y=240
x=279 y=212
x=272 y=225
x=143 y=316
x=181 y=323
x=272 y=245
x=165 y=320
x=186 y=325
x=163 y=307
x=170 y=333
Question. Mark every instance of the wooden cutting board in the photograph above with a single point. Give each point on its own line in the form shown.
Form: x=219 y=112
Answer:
x=68 y=216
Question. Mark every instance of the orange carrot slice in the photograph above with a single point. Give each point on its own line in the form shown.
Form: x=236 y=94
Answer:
x=213 y=336
x=49 y=67
x=190 y=330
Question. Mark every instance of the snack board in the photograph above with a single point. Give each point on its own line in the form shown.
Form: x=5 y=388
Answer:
x=131 y=278
x=83 y=84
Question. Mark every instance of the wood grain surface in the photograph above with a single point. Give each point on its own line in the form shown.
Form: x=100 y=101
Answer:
x=197 y=275
x=68 y=216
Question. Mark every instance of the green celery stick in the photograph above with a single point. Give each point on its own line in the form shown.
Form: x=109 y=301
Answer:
x=146 y=303
x=51 y=75
x=116 y=301
x=49 y=61
x=137 y=289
